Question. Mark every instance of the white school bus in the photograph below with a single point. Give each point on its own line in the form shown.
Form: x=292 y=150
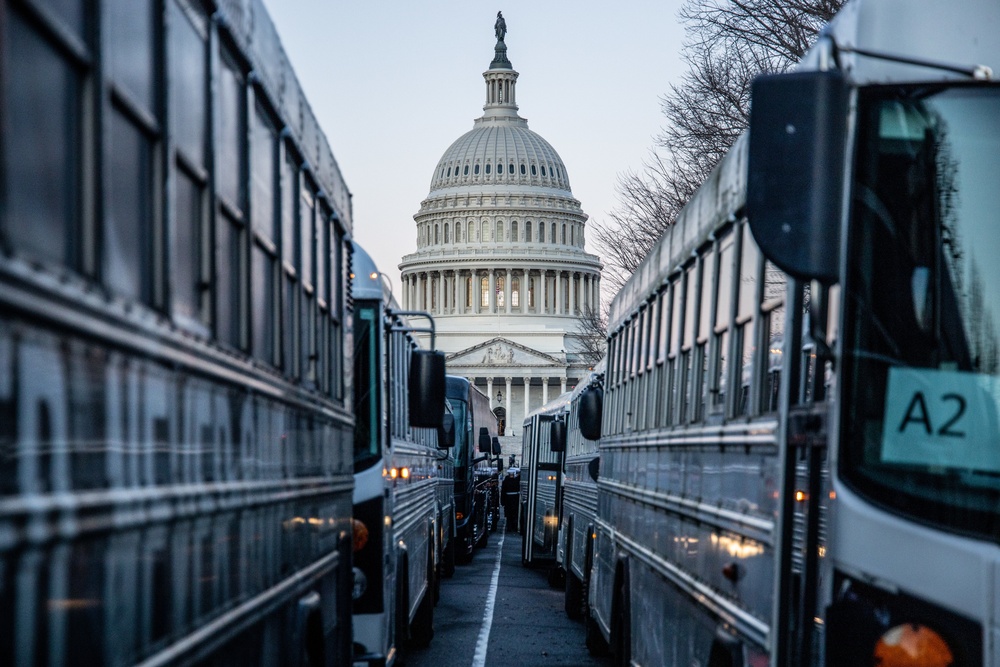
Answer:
x=798 y=460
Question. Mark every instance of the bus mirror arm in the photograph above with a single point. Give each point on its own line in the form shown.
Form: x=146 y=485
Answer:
x=818 y=309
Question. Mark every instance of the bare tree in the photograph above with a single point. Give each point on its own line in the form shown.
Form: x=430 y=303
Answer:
x=591 y=335
x=729 y=42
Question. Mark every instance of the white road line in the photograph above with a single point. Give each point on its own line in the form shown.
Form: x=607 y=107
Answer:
x=479 y=657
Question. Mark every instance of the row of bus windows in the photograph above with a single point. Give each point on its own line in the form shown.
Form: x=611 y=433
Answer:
x=570 y=234
x=155 y=191
x=717 y=323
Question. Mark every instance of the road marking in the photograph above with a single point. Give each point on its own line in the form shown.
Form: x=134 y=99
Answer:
x=479 y=657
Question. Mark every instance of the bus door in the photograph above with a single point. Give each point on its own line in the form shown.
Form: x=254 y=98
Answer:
x=542 y=516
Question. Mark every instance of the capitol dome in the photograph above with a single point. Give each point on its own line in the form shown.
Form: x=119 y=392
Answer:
x=501 y=261
x=501 y=153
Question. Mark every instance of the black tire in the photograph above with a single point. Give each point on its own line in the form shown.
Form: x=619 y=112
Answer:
x=574 y=596
x=484 y=536
x=597 y=645
x=422 y=626
x=448 y=564
x=621 y=626
x=463 y=557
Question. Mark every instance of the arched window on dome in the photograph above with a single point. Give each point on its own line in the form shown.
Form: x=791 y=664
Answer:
x=472 y=232
x=564 y=234
x=437 y=231
x=484 y=289
x=500 y=293
x=552 y=236
x=449 y=172
x=499 y=236
x=458 y=232
x=541 y=232
x=487 y=168
x=446 y=239
x=465 y=171
x=543 y=170
x=527 y=231
x=515 y=292
x=475 y=170
x=513 y=231
x=534 y=172
x=486 y=232
x=510 y=168
x=523 y=170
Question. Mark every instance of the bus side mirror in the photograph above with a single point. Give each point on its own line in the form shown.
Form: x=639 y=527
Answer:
x=485 y=442
x=591 y=405
x=557 y=436
x=795 y=167
x=426 y=388
x=446 y=433
x=495 y=446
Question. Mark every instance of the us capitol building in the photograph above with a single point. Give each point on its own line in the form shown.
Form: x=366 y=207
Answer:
x=501 y=261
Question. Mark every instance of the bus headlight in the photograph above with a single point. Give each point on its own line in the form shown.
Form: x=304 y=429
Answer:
x=359 y=534
x=360 y=584
x=912 y=645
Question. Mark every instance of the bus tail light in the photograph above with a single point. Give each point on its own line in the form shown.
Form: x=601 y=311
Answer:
x=912 y=645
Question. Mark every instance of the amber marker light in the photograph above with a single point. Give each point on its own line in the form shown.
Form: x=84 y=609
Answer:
x=800 y=496
x=359 y=534
x=393 y=473
x=404 y=473
x=912 y=645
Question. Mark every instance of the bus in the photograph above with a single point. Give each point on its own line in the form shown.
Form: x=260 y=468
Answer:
x=542 y=453
x=400 y=517
x=796 y=460
x=175 y=429
x=473 y=419
x=578 y=500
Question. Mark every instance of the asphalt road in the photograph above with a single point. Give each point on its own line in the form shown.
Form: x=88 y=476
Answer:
x=517 y=621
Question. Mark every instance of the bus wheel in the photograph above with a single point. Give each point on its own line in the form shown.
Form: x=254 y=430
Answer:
x=422 y=627
x=597 y=645
x=621 y=623
x=484 y=537
x=574 y=596
x=448 y=566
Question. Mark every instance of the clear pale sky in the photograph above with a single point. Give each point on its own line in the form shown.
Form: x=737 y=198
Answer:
x=393 y=84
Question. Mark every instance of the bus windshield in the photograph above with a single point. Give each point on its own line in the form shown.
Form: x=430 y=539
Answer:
x=367 y=434
x=460 y=451
x=921 y=363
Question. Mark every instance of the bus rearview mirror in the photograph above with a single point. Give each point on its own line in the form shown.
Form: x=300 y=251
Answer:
x=426 y=388
x=446 y=433
x=590 y=407
x=795 y=171
x=495 y=446
x=485 y=442
x=557 y=436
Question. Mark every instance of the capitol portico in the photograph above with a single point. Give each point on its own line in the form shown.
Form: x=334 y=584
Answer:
x=501 y=261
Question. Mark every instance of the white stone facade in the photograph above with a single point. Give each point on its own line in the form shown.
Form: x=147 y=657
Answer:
x=501 y=260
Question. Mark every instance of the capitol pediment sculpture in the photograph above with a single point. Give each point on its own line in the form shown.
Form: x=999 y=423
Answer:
x=498 y=354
